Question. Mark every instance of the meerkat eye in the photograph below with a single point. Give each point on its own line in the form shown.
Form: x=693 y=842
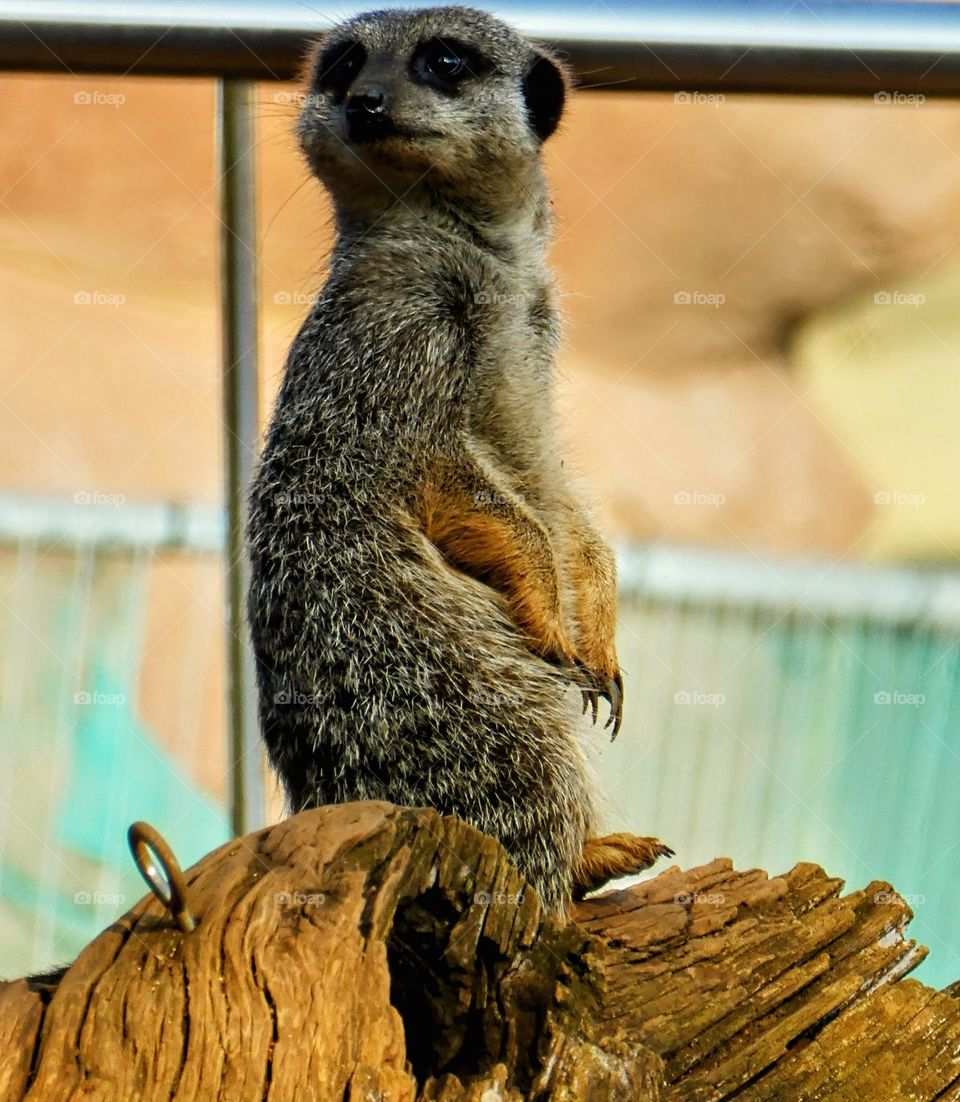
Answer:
x=443 y=63
x=339 y=66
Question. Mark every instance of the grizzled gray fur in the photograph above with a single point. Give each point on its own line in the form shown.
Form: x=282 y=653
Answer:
x=386 y=670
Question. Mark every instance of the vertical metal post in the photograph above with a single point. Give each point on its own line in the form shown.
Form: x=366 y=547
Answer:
x=238 y=297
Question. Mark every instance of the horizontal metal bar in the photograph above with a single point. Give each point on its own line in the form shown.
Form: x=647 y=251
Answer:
x=703 y=576
x=110 y=521
x=661 y=572
x=817 y=46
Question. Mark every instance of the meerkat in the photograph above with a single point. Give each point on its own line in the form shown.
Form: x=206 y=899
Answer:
x=425 y=582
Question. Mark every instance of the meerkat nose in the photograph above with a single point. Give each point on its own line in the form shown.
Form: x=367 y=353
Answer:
x=366 y=113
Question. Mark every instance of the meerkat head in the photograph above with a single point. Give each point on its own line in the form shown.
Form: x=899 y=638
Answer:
x=448 y=100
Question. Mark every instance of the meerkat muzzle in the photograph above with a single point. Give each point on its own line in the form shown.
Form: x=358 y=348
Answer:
x=367 y=115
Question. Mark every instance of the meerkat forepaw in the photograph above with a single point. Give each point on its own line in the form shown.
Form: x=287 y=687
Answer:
x=613 y=856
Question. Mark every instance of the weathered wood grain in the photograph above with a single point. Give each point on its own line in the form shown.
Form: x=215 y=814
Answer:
x=367 y=951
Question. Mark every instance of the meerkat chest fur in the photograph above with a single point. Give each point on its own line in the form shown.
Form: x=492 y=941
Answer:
x=518 y=335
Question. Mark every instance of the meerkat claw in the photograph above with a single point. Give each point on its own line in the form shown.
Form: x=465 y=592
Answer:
x=614 y=696
x=578 y=674
x=586 y=680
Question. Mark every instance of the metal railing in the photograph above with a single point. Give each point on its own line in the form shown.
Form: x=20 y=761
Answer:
x=772 y=46
x=822 y=46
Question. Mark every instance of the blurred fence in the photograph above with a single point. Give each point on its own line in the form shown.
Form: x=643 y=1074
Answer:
x=790 y=711
x=85 y=585
x=775 y=712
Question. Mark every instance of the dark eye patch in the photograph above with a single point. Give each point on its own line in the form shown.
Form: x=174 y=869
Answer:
x=338 y=67
x=444 y=63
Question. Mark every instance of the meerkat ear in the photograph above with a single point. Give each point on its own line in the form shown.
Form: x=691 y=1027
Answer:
x=544 y=91
x=309 y=61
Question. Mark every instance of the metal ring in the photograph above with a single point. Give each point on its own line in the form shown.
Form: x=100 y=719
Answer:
x=150 y=851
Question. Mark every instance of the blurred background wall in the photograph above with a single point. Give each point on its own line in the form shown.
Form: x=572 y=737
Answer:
x=760 y=391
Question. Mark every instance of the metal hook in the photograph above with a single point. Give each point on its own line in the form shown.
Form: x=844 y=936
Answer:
x=150 y=850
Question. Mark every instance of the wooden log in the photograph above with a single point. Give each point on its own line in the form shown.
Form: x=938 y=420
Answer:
x=366 y=951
